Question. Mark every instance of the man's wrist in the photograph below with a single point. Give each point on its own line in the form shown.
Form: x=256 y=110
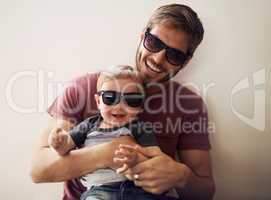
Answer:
x=104 y=152
x=185 y=173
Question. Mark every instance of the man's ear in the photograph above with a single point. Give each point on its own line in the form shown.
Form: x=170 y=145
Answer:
x=187 y=61
x=97 y=99
x=142 y=35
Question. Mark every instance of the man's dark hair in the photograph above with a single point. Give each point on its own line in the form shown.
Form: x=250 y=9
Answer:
x=180 y=17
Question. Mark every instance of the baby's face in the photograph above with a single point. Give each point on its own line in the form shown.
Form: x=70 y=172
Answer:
x=118 y=113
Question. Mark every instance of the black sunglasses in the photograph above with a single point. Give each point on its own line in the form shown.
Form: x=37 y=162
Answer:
x=132 y=99
x=154 y=45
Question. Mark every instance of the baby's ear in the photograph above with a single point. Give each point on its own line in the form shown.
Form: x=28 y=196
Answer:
x=97 y=99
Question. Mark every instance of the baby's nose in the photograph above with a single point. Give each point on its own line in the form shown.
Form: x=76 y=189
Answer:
x=120 y=106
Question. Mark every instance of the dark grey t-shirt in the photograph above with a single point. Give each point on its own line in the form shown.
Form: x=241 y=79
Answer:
x=141 y=131
x=88 y=134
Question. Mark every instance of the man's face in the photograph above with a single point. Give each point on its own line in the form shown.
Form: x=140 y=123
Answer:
x=154 y=67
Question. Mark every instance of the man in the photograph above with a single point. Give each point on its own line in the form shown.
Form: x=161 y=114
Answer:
x=167 y=44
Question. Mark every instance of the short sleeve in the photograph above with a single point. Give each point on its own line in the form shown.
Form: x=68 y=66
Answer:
x=76 y=98
x=79 y=132
x=143 y=133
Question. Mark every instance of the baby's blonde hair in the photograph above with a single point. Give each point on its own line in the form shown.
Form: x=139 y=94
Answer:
x=125 y=72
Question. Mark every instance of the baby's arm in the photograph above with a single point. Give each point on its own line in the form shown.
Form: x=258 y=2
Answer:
x=128 y=156
x=60 y=141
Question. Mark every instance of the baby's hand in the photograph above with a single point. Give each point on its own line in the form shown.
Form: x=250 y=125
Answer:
x=127 y=157
x=58 y=139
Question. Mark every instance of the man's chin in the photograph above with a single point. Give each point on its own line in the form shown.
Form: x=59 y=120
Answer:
x=157 y=79
x=151 y=78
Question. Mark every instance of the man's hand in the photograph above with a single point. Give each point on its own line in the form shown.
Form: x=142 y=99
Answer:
x=159 y=173
x=127 y=156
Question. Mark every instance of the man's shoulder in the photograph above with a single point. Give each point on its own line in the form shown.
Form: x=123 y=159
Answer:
x=181 y=88
x=85 y=79
x=81 y=88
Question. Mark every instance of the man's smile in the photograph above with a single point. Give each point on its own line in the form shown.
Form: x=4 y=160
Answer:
x=152 y=67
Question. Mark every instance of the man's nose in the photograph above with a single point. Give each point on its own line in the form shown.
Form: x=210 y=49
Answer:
x=160 y=57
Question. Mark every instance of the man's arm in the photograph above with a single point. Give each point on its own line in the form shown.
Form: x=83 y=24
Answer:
x=200 y=183
x=48 y=166
x=128 y=156
x=192 y=177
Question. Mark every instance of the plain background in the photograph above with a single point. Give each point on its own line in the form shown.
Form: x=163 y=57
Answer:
x=43 y=44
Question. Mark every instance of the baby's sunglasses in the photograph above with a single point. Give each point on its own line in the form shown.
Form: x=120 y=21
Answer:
x=132 y=99
x=153 y=44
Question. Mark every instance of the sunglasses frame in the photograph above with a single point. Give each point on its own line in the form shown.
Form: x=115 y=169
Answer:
x=166 y=47
x=121 y=97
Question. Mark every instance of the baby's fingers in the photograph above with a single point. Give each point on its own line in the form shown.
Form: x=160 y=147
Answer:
x=129 y=148
x=122 y=152
x=122 y=169
x=120 y=161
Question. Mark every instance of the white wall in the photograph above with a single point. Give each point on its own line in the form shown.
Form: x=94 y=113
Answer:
x=68 y=38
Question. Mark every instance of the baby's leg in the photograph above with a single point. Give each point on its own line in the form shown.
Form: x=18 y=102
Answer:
x=100 y=193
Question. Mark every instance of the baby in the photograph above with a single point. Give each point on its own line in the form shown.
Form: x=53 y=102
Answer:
x=120 y=97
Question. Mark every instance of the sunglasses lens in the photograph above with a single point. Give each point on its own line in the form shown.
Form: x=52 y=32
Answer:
x=112 y=98
x=134 y=100
x=109 y=97
x=152 y=43
x=175 y=57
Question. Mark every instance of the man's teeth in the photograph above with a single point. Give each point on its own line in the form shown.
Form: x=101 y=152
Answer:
x=153 y=68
